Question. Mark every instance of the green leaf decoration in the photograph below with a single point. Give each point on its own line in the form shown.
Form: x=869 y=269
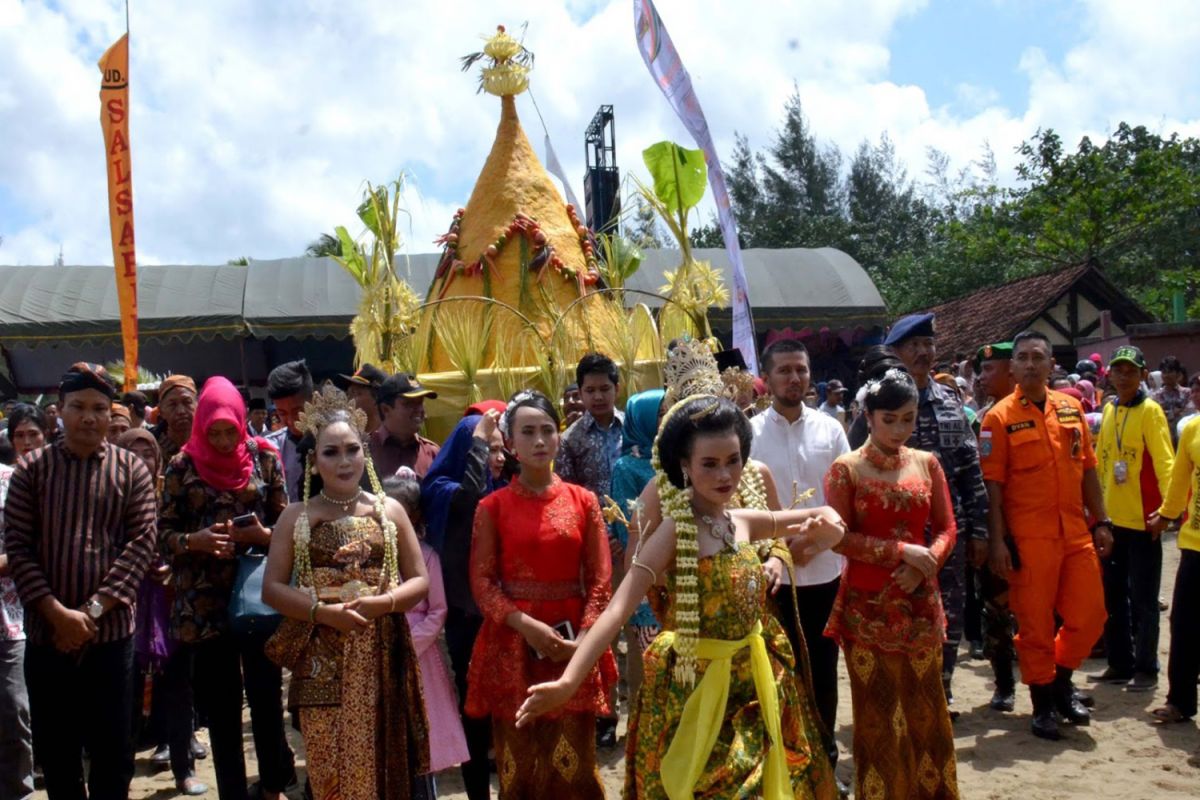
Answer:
x=680 y=175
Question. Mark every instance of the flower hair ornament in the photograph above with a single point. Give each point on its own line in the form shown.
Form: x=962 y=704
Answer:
x=517 y=399
x=893 y=375
x=328 y=406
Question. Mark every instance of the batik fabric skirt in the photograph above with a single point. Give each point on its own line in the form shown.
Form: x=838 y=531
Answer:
x=374 y=743
x=903 y=739
x=551 y=757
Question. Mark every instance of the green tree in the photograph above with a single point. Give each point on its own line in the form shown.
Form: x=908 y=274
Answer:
x=709 y=235
x=1129 y=206
x=327 y=244
x=886 y=217
x=803 y=193
x=643 y=230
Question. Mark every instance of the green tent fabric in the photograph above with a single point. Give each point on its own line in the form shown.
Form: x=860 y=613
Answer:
x=790 y=286
x=78 y=305
x=314 y=297
x=299 y=298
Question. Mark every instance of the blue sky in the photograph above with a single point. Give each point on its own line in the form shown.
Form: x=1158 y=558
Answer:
x=948 y=44
x=255 y=124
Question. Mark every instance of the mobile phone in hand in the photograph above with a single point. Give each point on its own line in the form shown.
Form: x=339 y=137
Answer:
x=245 y=520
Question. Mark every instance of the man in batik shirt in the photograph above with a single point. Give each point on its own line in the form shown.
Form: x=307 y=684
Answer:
x=587 y=452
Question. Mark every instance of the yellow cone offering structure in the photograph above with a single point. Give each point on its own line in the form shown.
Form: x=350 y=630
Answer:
x=515 y=242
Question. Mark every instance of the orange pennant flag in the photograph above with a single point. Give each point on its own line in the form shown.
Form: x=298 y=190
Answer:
x=114 y=120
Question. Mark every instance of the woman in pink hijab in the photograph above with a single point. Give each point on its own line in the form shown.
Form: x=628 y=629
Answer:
x=221 y=495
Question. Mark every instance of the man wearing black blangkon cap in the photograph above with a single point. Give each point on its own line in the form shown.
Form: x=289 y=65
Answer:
x=80 y=530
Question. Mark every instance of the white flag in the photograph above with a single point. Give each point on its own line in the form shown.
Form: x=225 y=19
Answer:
x=669 y=73
x=556 y=170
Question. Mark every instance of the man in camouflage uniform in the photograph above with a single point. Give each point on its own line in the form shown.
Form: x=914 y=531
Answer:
x=992 y=365
x=942 y=429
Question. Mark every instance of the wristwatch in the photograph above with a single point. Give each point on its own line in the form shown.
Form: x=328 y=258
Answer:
x=94 y=608
x=1104 y=523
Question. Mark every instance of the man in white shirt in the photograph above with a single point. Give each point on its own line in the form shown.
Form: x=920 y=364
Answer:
x=799 y=445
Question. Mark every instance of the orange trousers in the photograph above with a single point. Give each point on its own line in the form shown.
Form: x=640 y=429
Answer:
x=1055 y=577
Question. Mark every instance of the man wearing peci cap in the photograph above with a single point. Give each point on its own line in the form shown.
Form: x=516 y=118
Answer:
x=361 y=387
x=80 y=528
x=256 y=417
x=397 y=443
x=943 y=429
x=1135 y=461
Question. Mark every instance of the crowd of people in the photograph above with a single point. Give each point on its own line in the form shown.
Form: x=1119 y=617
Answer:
x=166 y=558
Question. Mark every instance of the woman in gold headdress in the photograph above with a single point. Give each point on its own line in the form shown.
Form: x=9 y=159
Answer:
x=718 y=714
x=343 y=568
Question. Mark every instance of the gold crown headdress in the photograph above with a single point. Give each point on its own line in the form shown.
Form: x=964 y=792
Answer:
x=737 y=382
x=324 y=405
x=691 y=369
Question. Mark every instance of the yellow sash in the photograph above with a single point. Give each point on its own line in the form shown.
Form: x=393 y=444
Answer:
x=704 y=713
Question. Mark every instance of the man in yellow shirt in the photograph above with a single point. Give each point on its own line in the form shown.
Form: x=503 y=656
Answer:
x=1135 y=458
x=1183 y=666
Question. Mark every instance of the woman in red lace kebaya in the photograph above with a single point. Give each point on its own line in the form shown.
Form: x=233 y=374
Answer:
x=540 y=572
x=888 y=616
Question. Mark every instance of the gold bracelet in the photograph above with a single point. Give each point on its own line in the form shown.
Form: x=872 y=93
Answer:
x=774 y=525
x=392 y=608
x=312 y=612
x=640 y=565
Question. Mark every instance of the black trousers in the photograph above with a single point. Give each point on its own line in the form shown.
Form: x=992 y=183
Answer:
x=83 y=701
x=1132 y=578
x=973 y=610
x=461 y=630
x=952 y=583
x=208 y=676
x=814 y=605
x=1183 y=665
x=151 y=729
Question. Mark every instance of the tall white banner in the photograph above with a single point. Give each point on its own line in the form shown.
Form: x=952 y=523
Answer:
x=668 y=71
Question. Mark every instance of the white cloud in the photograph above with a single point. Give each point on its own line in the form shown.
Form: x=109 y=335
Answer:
x=254 y=125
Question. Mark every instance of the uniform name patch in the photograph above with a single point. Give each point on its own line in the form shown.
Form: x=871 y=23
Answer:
x=1067 y=414
x=1020 y=426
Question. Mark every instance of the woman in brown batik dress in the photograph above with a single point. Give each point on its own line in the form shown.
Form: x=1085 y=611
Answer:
x=358 y=568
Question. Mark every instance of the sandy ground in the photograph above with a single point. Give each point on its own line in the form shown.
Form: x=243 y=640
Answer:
x=1122 y=754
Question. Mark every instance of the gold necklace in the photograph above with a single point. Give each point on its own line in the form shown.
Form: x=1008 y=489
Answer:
x=721 y=530
x=344 y=505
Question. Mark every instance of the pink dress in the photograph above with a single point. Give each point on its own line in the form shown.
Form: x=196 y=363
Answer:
x=447 y=743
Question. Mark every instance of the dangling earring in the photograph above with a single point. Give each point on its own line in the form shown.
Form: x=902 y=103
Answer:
x=314 y=471
x=687 y=479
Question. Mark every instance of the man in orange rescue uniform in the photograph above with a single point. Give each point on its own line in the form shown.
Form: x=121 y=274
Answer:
x=1040 y=470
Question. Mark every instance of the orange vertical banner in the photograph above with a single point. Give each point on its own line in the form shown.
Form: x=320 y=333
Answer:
x=114 y=120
